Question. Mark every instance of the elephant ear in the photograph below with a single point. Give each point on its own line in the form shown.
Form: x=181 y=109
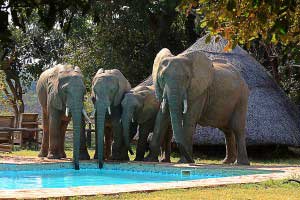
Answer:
x=54 y=98
x=164 y=53
x=201 y=72
x=123 y=87
x=150 y=107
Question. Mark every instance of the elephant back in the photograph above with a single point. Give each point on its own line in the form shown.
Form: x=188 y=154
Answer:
x=123 y=83
x=164 y=53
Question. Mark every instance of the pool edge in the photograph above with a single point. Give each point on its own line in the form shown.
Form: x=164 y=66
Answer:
x=286 y=172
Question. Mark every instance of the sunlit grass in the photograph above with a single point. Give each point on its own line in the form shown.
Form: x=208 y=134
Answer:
x=275 y=190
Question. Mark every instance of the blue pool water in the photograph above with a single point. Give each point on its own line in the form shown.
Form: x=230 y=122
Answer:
x=64 y=178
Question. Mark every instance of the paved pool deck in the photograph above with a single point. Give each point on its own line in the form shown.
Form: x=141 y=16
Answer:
x=6 y=163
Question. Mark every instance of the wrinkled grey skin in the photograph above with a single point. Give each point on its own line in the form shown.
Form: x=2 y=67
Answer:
x=140 y=105
x=59 y=87
x=194 y=90
x=108 y=89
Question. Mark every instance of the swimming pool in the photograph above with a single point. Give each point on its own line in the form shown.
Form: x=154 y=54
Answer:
x=63 y=176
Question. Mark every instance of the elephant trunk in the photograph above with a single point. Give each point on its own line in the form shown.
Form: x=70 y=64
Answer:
x=76 y=111
x=175 y=106
x=164 y=101
x=101 y=109
x=126 y=120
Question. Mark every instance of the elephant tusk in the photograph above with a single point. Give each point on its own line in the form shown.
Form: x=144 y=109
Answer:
x=184 y=106
x=86 y=116
x=132 y=120
x=67 y=112
x=163 y=106
x=109 y=111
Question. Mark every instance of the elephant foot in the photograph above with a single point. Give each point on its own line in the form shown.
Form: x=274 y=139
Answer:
x=151 y=158
x=138 y=159
x=242 y=162
x=53 y=156
x=165 y=160
x=184 y=160
x=228 y=160
x=63 y=155
x=84 y=156
x=119 y=158
x=42 y=154
x=185 y=155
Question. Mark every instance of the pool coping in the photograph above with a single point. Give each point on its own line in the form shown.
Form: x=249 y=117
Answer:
x=285 y=172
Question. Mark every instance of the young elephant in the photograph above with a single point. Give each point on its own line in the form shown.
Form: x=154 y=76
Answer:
x=60 y=91
x=196 y=90
x=140 y=105
x=108 y=89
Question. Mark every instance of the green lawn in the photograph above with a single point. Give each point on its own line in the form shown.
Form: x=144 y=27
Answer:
x=273 y=190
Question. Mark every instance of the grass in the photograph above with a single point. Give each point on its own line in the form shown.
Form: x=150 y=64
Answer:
x=275 y=190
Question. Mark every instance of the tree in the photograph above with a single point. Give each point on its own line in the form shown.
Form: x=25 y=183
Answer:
x=19 y=62
x=27 y=55
x=242 y=21
x=127 y=34
x=110 y=34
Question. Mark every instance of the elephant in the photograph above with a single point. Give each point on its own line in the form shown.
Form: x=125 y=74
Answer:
x=141 y=106
x=60 y=91
x=108 y=89
x=195 y=90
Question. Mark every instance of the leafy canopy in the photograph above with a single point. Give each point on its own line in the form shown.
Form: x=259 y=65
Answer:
x=241 y=21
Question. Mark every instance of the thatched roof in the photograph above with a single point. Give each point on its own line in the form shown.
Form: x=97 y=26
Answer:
x=272 y=118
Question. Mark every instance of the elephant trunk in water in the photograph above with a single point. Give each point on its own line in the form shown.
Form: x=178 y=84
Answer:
x=76 y=111
x=101 y=109
x=175 y=100
x=126 y=120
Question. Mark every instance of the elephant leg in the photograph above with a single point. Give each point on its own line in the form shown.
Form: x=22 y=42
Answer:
x=189 y=126
x=238 y=123
x=242 y=157
x=186 y=145
x=230 y=147
x=142 y=142
x=55 y=117
x=63 y=128
x=162 y=122
x=166 y=146
x=45 y=140
x=108 y=133
x=119 y=150
x=83 y=152
x=108 y=141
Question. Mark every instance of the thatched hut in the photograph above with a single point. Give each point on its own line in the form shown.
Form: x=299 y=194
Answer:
x=272 y=118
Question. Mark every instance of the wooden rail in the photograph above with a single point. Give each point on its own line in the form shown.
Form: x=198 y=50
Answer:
x=20 y=129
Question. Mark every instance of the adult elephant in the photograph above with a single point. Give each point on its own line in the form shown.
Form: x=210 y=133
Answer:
x=196 y=90
x=109 y=87
x=60 y=92
x=139 y=105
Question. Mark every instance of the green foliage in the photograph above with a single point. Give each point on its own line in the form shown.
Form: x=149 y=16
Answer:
x=121 y=34
x=3 y=99
x=242 y=21
x=127 y=36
